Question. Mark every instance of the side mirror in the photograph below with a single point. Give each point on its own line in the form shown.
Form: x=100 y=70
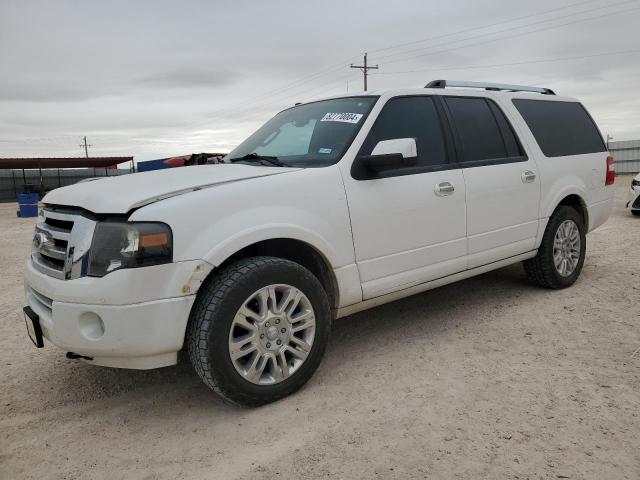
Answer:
x=403 y=146
x=386 y=155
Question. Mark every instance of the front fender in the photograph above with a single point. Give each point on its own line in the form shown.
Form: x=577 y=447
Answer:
x=212 y=224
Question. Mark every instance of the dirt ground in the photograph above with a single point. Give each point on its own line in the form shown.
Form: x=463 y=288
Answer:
x=484 y=379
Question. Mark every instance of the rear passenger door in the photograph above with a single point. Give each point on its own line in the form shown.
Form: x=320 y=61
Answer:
x=501 y=181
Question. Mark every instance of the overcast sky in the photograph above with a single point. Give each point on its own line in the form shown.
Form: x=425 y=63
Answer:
x=160 y=78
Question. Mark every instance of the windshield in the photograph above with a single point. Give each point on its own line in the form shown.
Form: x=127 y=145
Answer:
x=310 y=135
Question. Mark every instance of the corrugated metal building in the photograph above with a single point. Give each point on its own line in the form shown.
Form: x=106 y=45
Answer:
x=42 y=174
x=12 y=182
x=627 y=155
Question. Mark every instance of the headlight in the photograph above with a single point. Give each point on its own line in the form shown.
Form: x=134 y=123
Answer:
x=119 y=245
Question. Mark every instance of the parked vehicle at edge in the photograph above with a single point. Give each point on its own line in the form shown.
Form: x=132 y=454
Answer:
x=634 y=196
x=330 y=208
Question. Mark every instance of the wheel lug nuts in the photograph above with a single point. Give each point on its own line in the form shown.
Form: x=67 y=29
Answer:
x=278 y=342
x=267 y=324
x=268 y=345
x=262 y=335
x=283 y=330
x=277 y=321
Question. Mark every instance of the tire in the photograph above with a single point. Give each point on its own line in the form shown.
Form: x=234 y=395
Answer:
x=541 y=269
x=216 y=320
x=636 y=213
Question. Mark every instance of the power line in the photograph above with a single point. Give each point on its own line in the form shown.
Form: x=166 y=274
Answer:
x=314 y=76
x=285 y=90
x=474 y=37
x=252 y=106
x=526 y=62
x=510 y=36
x=514 y=35
x=482 y=27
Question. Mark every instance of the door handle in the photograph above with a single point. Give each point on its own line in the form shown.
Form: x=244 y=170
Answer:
x=528 y=176
x=443 y=189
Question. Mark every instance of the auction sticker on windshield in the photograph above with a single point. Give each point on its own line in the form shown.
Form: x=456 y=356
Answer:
x=342 y=117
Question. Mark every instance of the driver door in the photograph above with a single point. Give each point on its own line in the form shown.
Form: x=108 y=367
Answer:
x=408 y=223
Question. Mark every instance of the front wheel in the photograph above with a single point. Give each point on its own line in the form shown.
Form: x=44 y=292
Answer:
x=258 y=330
x=561 y=254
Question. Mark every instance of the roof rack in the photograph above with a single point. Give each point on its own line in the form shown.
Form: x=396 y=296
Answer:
x=488 y=86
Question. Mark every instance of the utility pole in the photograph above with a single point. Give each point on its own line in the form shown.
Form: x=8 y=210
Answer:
x=364 y=68
x=86 y=147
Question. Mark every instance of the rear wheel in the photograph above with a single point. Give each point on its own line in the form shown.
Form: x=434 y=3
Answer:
x=259 y=329
x=561 y=254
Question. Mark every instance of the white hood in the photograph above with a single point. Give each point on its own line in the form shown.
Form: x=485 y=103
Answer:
x=122 y=193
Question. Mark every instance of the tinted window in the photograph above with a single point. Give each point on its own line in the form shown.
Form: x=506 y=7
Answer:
x=511 y=144
x=483 y=131
x=560 y=128
x=410 y=117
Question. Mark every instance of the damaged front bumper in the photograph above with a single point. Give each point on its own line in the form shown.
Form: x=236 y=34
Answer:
x=131 y=318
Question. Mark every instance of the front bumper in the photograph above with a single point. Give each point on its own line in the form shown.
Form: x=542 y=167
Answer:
x=127 y=321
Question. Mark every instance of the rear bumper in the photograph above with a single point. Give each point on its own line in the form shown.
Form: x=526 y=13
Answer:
x=141 y=334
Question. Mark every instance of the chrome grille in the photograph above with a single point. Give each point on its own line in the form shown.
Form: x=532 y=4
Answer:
x=61 y=243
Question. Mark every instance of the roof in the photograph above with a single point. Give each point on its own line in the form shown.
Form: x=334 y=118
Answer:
x=63 y=162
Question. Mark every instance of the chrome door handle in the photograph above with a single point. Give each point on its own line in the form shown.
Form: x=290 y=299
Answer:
x=528 y=176
x=444 y=188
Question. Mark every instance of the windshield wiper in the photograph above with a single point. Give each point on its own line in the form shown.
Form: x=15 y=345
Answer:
x=260 y=158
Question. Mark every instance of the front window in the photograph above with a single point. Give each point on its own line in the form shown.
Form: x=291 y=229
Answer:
x=311 y=135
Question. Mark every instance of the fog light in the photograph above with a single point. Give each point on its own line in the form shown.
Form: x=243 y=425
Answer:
x=91 y=325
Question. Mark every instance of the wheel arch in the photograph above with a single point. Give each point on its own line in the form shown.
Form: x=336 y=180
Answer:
x=295 y=250
x=575 y=201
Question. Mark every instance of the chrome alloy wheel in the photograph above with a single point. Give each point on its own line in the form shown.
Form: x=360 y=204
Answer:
x=566 y=248
x=272 y=334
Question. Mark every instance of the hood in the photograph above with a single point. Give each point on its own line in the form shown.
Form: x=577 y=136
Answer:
x=125 y=192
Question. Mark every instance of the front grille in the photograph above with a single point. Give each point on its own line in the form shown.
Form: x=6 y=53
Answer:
x=61 y=243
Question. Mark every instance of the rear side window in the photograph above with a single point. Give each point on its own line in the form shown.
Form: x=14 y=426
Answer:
x=483 y=131
x=410 y=117
x=560 y=128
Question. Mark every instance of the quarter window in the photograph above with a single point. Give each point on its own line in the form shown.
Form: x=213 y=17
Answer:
x=410 y=117
x=560 y=128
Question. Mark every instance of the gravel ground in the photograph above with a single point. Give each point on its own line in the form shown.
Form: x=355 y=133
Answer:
x=487 y=378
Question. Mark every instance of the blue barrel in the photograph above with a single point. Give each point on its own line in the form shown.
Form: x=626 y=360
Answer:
x=28 y=204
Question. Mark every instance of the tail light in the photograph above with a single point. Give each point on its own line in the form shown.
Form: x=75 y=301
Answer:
x=611 y=171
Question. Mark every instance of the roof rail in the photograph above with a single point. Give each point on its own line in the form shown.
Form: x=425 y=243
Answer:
x=488 y=86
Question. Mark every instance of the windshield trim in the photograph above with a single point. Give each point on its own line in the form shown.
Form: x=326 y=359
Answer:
x=349 y=142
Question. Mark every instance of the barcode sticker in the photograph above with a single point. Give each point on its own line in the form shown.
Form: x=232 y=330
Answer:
x=342 y=117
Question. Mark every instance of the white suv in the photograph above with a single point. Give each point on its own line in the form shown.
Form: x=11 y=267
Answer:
x=331 y=207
